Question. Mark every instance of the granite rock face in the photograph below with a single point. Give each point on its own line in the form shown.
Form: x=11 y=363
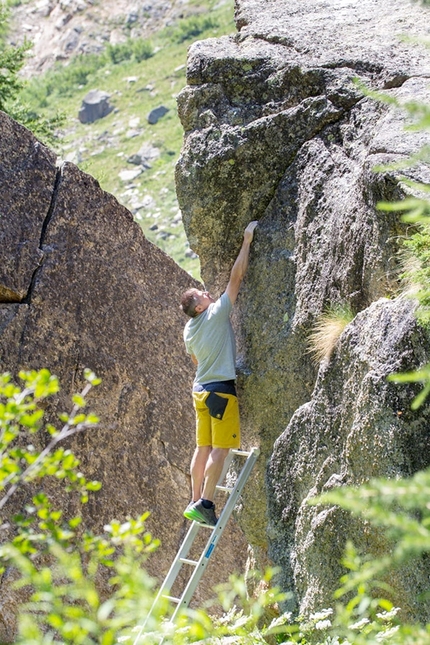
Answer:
x=356 y=426
x=23 y=210
x=80 y=286
x=278 y=128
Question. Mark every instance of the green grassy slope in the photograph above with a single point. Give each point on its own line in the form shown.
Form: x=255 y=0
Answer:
x=135 y=88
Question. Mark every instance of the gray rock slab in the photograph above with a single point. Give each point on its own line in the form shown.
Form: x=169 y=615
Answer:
x=341 y=32
x=356 y=426
x=95 y=105
x=156 y=114
x=145 y=155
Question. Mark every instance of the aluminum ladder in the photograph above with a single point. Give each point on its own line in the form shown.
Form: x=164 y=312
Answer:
x=200 y=565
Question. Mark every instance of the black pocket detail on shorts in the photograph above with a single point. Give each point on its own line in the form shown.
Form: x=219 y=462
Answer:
x=216 y=405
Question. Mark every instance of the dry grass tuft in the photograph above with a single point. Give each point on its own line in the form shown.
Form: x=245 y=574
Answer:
x=411 y=268
x=327 y=331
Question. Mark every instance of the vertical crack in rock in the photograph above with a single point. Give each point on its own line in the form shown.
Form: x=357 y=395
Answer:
x=27 y=177
x=46 y=221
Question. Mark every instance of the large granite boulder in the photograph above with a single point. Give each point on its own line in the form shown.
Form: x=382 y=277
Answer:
x=356 y=426
x=279 y=128
x=80 y=286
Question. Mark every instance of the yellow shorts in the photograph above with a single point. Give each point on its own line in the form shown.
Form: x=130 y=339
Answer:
x=217 y=420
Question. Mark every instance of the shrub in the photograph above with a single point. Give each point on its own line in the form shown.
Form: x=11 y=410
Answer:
x=142 y=49
x=138 y=49
x=65 y=79
x=120 y=52
x=192 y=27
x=43 y=127
x=11 y=61
x=417 y=269
x=400 y=509
x=59 y=562
x=415 y=210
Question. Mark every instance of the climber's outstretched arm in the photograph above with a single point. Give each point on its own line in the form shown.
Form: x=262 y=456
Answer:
x=241 y=264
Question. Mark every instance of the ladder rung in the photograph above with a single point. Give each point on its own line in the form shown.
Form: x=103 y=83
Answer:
x=242 y=453
x=226 y=489
x=172 y=599
x=186 y=561
x=203 y=525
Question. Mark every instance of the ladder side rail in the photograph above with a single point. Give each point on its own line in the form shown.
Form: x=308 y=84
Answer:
x=240 y=483
x=194 y=579
x=189 y=539
x=182 y=553
x=172 y=573
x=200 y=568
x=238 y=487
x=216 y=533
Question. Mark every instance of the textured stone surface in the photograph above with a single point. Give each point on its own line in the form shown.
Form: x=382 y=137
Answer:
x=356 y=426
x=277 y=129
x=24 y=209
x=365 y=35
x=95 y=105
x=99 y=295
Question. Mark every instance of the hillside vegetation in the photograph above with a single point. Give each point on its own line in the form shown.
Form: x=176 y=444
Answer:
x=139 y=75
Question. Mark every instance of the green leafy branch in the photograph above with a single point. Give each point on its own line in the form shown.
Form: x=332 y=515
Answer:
x=393 y=505
x=418 y=376
x=60 y=563
x=362 y=613
x=19 y=412
x=415 y=210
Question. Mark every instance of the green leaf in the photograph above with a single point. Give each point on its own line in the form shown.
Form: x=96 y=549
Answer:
x=421 y=397
x=93 y=485
x=91 y=377
x=79 y=400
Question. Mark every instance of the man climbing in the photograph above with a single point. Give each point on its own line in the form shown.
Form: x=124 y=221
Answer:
x=209 y=339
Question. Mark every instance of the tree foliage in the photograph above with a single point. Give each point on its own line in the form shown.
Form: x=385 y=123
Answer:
x=61 y=562
x=12 y=60
x=414 y=209
x=57 y=558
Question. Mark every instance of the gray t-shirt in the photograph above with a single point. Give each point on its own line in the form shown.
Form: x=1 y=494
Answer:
x=209 y=336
